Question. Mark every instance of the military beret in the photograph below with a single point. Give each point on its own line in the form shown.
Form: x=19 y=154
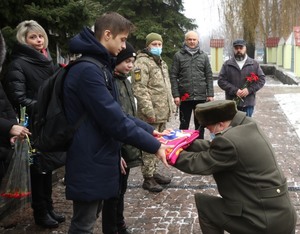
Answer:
x=215 y=111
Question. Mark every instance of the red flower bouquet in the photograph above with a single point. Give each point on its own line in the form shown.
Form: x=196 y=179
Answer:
x=16 y=182
x=249 y=80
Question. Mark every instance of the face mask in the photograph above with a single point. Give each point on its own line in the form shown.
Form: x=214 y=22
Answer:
x=212 y=133
x=156 y=51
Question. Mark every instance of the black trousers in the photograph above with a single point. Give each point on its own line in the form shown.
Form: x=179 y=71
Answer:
x=41 y=191
x=186 y=108
x=113 y=209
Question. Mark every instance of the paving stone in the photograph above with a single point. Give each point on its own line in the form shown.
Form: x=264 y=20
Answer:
x=173 y=211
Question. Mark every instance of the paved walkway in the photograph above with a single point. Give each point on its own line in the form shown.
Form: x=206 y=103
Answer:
x=173 y=210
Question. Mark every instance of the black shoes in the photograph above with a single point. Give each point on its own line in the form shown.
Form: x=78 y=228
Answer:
x=161 y=179
x=46 y=221
x=49 y=219
x=123 y=229
x=151 y=185
x=58 y=217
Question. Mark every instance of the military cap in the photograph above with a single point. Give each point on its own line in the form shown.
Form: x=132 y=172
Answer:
x=215 y=111
x=239 y=42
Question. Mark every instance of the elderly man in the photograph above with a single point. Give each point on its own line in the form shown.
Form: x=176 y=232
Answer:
x=253 y=190
x=191 y=80
x=234 y=75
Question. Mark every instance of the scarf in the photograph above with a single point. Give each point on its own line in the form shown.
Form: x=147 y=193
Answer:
x=192 y=50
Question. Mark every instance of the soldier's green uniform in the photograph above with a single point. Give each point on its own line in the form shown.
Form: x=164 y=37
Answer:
x=152 y=89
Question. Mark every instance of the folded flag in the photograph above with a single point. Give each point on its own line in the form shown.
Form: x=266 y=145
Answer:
x=180 y=139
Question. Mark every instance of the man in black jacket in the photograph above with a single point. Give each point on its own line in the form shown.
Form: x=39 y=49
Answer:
x=191 y=80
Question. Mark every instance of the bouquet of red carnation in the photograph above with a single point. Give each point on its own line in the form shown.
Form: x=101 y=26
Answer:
x=16 y=182
x=249 y=80
x=183 y=98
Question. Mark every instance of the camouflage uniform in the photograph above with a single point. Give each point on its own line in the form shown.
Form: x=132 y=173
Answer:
x=152 y=89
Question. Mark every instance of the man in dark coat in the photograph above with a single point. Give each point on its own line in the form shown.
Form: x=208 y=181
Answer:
x=93 y=159
x=191 y=79
x=253 y=190
x=233 y=75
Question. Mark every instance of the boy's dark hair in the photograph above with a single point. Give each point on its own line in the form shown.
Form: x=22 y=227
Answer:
x=114 y=22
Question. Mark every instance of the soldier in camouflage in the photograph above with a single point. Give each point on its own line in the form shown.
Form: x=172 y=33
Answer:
x=152 y=89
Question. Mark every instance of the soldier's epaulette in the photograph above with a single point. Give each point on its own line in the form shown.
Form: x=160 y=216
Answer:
x=137 y=74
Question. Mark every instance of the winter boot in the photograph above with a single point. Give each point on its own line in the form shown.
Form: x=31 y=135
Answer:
x=56 y=216
x=161 y=179
x=45 y=220
x=151 y=185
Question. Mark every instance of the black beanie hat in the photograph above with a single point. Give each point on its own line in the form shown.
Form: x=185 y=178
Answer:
x=126 y=53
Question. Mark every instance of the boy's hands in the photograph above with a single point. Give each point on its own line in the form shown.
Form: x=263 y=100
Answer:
x=165 y=132
x=161 y=154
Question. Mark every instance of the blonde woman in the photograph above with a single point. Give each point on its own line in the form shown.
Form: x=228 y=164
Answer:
x=31 y=65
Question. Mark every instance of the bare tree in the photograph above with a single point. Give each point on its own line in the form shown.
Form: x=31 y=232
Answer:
x=250 y=14
x=256 y=20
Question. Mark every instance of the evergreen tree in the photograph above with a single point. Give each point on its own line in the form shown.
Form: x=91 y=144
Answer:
x=160 y=16
x=60 y=18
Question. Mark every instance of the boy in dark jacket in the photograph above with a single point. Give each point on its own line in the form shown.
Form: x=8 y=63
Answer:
x=93 y=159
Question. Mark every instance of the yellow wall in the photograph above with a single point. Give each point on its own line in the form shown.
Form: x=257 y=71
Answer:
x=216 y=59
x=287 y=53
x=297 y=61
x=271 y=54
x=279 y=56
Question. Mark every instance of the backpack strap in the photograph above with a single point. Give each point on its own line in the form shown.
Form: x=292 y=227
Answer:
x=97 y=62
x=102 y=67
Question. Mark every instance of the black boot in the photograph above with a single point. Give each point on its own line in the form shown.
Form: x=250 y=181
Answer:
x=161 y=179
x=58 y=217
x=151 y=185
x=45 y=221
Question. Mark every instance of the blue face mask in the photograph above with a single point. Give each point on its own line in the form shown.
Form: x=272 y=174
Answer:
x=212 y=133
x=156 y=51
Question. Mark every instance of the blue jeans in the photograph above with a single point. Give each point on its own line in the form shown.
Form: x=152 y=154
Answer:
x=248 y=109
x=84 y=217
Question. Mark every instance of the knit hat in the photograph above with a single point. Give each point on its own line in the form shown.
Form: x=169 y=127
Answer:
x=215 y=111
x=153 y=37
x=126 y=53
